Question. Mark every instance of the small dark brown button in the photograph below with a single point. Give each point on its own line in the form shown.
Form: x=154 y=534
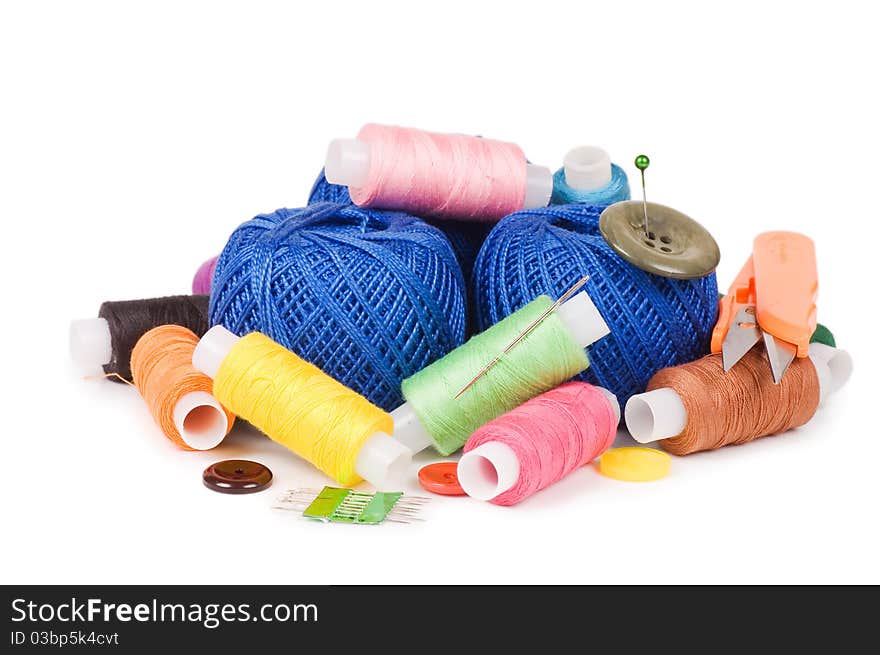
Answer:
x=675 y=245
x=237 y=476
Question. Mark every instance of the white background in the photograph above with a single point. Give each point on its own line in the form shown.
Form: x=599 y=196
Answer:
x=134 y=140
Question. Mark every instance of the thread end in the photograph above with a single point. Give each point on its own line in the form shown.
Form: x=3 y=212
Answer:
x=90 y=342
x=200 y=420
x=347 y=162
x=655 y=415
x=488 y=470
x=587 y=168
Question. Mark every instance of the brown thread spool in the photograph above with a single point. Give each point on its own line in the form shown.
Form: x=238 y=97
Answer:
x=179 y=397
x=735 y=407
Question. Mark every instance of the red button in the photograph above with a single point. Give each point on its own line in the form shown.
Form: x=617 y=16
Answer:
x=441 y=478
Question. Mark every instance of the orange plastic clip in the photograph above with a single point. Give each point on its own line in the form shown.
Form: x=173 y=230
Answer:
x=780 y=279
x=786 y=285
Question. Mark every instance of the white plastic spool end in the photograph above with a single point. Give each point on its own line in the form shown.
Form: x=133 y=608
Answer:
x=587 y=168
x=91 y=345
x=614 y=404
x=823 y=373
x=488 y=470
x=200 y=420
x=383 y=462
x=839 y=363
x=212 y=350
x=408 y=430
x=539 y=186
x=583 y=319
x=655 y=415
x=347 y=162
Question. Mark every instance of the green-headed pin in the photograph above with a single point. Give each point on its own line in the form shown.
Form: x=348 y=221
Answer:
x=642 y=162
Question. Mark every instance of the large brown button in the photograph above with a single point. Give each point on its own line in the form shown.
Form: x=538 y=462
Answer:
x=674 y=246
x=237 y=476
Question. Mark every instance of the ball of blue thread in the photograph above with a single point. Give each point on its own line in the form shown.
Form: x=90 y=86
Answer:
x=655 y=321
x=368 y=296
x=615 y=191
x=465 y=237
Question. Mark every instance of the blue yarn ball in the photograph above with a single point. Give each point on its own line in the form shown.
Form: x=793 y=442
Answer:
x=465 y=237
x=655 y=321
x=615 y=191
x=370 y=297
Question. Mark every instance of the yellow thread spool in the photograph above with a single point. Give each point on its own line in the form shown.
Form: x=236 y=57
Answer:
x=301 y=407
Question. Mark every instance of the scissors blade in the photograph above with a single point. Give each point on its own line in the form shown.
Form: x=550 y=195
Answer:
x=741 y=336
x=780 y=353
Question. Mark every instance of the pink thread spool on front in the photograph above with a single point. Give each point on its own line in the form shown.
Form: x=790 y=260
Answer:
x=437 y=175
x=538 y=443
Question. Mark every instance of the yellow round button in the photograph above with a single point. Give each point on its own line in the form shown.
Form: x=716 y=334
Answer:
x=635 y=464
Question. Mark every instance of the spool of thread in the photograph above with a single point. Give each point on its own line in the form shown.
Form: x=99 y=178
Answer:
x=698 y=406
x=107 y=341
x=201 y=283
x=655 y=321
x=538 y=443
x=464 y=237
x=439 y=175
x=369 y=297
x=823 y=335
x=302 y=408
x=178 y=396
x=588 y=177
x=551 y=354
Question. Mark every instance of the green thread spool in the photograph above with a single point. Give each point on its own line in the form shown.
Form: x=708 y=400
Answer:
x=823 y=335
x=551 y=354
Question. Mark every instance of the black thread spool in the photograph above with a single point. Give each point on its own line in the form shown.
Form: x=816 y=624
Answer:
x=108 y=340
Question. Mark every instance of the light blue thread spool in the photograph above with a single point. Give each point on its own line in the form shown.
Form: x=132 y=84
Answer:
x=588 y=177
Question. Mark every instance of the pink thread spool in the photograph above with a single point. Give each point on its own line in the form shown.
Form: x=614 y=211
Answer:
x=202 y=281
x=439 y=175
x=538 y=443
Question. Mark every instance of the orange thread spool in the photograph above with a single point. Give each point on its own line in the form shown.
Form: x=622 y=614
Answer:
x=740 y=405
x=179 y=397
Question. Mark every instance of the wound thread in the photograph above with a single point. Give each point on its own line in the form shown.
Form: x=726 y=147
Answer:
x=441 y=175
x=552 y=435
x=655 y=321
x=201 y=283
x=465 y=237
x=740 y=405
x=298 y=405
x=129 y=320
x=616 y=190
x=370 y=297
x=547 y=357
x=162 y=371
